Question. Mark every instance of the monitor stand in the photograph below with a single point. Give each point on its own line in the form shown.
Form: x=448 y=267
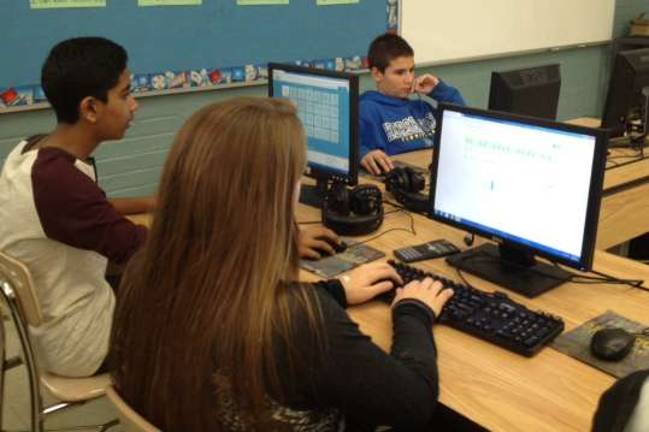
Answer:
x=639 y=139
x=637 y=129
x=313 y=195
x=511 y=268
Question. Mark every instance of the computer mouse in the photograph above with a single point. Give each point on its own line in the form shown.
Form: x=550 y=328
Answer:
x=611 y=344
x=337 y=247
x=340 y=247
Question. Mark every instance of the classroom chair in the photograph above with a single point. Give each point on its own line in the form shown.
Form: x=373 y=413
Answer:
x=17 y=291
x=130 y=420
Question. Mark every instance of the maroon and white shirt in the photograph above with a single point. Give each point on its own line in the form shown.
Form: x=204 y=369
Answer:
x=58 y=222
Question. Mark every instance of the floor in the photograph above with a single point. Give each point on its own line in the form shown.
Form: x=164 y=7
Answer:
x=15 y=401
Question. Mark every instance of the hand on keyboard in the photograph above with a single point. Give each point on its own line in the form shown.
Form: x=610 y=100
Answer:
x=431 y=293
x=493 y=317
x=368 y=281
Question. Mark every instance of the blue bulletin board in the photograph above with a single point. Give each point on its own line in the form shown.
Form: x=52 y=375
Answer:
x=207 y=45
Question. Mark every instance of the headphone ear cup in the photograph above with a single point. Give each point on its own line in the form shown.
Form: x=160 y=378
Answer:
x=396 y=179
x=365 y=199
x=366 y=203
x=338 y=200
x=416 y=181
x=405 y=184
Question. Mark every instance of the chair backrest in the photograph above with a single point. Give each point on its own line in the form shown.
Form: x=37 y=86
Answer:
x=2 y=363
x=130 y=420
x=16 y=291
x=17 y=275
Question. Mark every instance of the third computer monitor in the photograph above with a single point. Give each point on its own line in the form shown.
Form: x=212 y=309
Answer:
x=531 y=91
x=625 y=102
x=327 y=104
x=531 y=185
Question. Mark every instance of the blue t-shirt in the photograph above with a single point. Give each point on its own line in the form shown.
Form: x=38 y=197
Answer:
x=397 y=125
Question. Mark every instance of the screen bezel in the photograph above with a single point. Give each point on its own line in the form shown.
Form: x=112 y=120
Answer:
x=594 y=195
x=316 y=171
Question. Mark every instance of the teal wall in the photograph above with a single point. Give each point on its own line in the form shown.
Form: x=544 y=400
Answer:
x=132 y=166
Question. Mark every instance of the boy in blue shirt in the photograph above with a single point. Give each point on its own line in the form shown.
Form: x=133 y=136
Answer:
x=390 y=122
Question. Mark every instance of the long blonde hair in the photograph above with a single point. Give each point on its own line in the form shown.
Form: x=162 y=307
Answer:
x=210 y=288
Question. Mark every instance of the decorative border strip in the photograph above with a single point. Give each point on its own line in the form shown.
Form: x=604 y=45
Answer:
x=209 y=77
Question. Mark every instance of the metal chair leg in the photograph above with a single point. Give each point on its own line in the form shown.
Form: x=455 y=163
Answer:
x=109 y=425
x=35 y=395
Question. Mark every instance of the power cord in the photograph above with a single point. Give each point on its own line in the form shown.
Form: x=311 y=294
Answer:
x=579 y=279
x=640 y=157
x=608 y=279
x=309 y=222
x=400 y=209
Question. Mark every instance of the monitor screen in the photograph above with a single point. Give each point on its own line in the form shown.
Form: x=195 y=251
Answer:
x=532 y=91
x=625 y=102
x=327 y=103
x=532 y=185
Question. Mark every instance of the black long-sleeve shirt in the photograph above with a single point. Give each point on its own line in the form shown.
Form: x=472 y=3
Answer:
x=620 y=406
x=352 y=380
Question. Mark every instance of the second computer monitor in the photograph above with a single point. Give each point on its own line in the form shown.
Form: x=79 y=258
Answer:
x=532 y=91
x=327 y=104
x=625 y=102
x=533 y=186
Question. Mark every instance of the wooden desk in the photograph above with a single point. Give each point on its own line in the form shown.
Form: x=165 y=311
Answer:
x=624 y=212
x=491 y=386
x=495 y=388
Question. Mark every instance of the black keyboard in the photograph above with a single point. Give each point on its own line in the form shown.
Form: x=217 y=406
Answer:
x=493 y=317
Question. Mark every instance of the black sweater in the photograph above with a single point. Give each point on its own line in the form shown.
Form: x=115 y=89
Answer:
x=353 y=377
x=618 y=403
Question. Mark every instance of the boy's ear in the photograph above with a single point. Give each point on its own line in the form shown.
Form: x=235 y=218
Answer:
x=377 y=75
x=89 y=109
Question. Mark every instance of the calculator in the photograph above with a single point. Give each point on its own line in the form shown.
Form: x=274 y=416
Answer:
x=429 y=250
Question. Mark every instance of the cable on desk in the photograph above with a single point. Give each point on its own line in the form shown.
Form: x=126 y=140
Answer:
x=464 y=281
x=608 y=279
x=408 y=230
x=397 y=210
x=400 y=209
x=639 y=157
x=309 y=222
x=576 y=278
x=605 y=278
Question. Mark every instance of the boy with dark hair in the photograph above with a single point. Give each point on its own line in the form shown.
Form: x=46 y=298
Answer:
x=57 y=220
x=391 y=123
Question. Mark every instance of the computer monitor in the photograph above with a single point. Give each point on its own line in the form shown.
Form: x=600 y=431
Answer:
x=327 y=103
x=532 y=91
x=627 y=43
x=533 y=186
x=624 y=110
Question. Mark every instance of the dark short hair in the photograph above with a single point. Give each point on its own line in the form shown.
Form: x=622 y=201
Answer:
x=386 y=48
x=81 y=67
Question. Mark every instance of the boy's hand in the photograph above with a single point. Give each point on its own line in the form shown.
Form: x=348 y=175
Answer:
x=424 y=84
x=377 y=162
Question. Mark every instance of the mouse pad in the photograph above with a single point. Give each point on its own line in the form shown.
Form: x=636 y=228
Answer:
x=355 y=255
x=576 y=343
x=397 y=164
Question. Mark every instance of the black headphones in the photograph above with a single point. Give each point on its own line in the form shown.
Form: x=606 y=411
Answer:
x=357 y=211
x=405 y=183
